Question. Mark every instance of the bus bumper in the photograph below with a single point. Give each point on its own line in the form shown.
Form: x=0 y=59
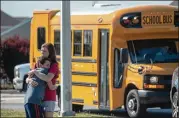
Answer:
x=153 y=97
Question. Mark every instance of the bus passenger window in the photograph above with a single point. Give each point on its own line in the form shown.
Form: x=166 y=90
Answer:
x=87 y=46
x=77 y=42
x=40 y=37
x=57 y=41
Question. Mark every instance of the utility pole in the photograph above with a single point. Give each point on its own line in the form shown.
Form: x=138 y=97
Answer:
x=93 y=3
x=66 y=81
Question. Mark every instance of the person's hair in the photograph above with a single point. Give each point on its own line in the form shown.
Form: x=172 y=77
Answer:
x=51 y=50
x=43 y=60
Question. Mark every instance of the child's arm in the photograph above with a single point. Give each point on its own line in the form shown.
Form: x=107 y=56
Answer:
x=51 y=86
x=42 y=76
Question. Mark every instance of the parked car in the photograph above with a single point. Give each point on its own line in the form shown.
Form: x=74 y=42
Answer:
x=174 y=93
x=20 y=75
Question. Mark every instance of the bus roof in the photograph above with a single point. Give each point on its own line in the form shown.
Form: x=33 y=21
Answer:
x=104 y=10
x=94 y=16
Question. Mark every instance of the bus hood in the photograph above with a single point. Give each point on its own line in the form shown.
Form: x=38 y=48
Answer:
x=157 y=69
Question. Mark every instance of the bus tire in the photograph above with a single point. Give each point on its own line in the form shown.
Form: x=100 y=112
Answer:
x=77 y=107
x=175 y=105
x=133 y=106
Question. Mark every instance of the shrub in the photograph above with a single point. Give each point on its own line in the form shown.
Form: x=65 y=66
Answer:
x=15 y=51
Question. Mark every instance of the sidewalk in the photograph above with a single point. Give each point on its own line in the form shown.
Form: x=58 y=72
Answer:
x=10 y=91
x=15 y=99
x=11 y=96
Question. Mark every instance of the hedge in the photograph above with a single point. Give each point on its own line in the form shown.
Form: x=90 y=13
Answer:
x=15 y=51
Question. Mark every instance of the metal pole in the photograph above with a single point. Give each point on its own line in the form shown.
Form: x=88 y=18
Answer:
x=66 y=82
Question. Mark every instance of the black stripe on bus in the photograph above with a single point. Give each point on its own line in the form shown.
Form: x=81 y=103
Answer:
x=84 y=84
x=78 y=100
x=81 y=60
x=85 y=73
x=84 y=60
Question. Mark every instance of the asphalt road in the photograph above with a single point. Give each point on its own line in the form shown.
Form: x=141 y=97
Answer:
x=14 y=100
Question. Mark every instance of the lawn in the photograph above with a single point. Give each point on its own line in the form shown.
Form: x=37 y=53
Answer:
x=19 y=113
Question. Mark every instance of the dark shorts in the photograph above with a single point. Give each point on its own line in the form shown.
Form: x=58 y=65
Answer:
x=34 y=111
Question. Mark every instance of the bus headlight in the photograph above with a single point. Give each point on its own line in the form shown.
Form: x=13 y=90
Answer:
x=154 y=79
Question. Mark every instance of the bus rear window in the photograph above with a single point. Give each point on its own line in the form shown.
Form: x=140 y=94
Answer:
x=40 y=37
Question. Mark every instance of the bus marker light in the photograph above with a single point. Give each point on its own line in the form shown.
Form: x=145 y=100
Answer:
x=153 y=86
x=135 y=20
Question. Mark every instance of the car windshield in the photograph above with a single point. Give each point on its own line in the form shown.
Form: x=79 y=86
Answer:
x=157 y=51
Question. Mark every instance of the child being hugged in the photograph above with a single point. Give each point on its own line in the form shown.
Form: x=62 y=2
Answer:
x=35 y=95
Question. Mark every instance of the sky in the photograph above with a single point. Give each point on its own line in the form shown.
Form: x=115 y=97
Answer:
x=26 y=8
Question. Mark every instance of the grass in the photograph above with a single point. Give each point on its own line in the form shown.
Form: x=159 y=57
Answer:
x=12 y=113
x=20 y=113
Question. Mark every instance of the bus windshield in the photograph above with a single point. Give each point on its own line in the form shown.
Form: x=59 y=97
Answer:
x=157 y=51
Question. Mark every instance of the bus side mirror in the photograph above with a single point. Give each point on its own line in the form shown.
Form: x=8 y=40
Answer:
x=124 y=55
x=147 y=56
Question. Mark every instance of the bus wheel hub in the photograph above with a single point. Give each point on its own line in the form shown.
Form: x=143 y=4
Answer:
x=131 y=104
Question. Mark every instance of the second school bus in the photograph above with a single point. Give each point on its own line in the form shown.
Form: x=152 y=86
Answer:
x=125 y=57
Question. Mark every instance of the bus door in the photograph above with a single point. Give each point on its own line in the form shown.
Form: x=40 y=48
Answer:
x=104 y=81
x=119 y=75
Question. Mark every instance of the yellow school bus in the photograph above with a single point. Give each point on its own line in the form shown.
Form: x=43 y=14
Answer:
x=121 y=58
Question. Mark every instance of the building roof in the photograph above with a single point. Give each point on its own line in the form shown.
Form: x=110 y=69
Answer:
x=174 y=3
x=9 y=23
x=21 y=18
x=4 y=28
x=16 y=26
x=7 y=20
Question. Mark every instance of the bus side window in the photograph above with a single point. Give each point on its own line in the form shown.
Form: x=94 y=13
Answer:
x=87 y=46
x=40 y=37
x=57 y=41
x=77 y=42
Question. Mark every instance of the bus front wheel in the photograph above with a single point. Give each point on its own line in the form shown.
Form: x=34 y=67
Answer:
x=133 y=106
x=175 y=105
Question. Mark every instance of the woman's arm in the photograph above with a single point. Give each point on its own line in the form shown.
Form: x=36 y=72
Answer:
x=30 y=74
x=51 y=86
x=27 y=80
x=31 y=82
